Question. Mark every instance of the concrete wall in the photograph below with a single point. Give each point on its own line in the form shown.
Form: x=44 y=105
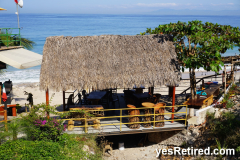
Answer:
x=201 y=114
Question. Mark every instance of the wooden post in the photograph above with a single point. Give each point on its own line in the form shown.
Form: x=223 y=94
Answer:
x=0 y=94
x=225 y=75
x=47 y=102
x=203 y=86
x=64 y=101
x=232 y=70
x=5 y=119
x=173 y=102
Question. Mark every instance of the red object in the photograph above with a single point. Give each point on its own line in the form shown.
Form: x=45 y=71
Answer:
x=209 y=83
x=14 y=111
x=4 y=95
x=173 y=102
x=47 y=102
x=16 y=1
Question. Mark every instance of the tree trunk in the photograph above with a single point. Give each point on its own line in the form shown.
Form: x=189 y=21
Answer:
x=192 y=82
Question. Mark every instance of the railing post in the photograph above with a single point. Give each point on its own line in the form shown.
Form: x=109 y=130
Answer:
x=154 y=118
x=64 y=104
x=173 y=102
x=7 y=36
x=20 y=37
x=186 y=115
x=121 y=120
x=86 y=130
x=5 y=119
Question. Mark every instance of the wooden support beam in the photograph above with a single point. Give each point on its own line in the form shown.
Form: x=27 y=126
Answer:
x=64 y=104
x=225 y=83
x=47 y=102
x=5 y=119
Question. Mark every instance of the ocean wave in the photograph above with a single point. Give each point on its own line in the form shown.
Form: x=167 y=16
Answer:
x=33 y=75
x=30 y=75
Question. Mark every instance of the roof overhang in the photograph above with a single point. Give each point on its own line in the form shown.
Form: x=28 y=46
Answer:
x=20 y=58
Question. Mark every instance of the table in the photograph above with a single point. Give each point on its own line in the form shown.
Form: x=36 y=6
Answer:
x=96 y=120
x=212 y=90
x=13 y=106
x=94 y=97
x=140 y=97
x=97 y=95
x=89 y=107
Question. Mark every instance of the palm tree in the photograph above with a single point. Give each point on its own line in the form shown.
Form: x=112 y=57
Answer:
x=14 y=40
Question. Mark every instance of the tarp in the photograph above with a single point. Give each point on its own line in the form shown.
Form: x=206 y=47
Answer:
x=20 y=58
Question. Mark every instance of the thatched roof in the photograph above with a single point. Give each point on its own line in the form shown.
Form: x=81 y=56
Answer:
x=108 y=61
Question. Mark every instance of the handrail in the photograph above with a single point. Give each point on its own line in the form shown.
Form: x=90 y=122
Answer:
x=126 y=116
x=197 y=82
x=8 y=35
x=5 y=119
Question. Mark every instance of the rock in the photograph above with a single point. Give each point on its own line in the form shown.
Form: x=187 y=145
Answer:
x=85 y=148
x=217 y=113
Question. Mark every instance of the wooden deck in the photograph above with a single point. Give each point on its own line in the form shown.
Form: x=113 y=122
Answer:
x=10 y=47
x=114 y=128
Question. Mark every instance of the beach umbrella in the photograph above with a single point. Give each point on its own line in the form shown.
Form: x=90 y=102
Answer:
x=2 y=9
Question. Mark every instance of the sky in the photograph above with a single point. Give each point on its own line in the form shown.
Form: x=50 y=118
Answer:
x=167 y=7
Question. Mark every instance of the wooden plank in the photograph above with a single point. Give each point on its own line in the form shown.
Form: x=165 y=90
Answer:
x=2 y=48
x=85 y=107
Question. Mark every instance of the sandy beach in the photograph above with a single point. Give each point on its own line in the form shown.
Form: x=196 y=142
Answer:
x=39 y=96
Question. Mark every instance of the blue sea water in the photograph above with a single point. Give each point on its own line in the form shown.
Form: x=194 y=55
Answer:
x=38 y=27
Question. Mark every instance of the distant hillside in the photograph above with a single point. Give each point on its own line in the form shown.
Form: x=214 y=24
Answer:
x=194 y=12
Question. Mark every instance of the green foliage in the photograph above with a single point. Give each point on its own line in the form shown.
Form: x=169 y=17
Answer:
x=200 y=44
x=226 y=98
x=14 y=127
x=226 y=128
x=230 y=103
x=68 y=147
x=38 y=127
x=3 y=132
x=14 y=40
x=22 y=149
x=220 y=147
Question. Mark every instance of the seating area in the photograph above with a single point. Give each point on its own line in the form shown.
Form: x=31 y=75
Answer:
x=132 y=108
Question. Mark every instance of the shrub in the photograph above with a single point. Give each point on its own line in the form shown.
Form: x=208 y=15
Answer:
x=230 y=103
x=37 y=126
x=68 y=147
x=225 y=128
x=3 y=132
x=14 y=127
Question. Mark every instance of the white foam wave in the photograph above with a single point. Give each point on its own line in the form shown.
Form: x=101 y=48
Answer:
x=33 y=75
x=29 y=75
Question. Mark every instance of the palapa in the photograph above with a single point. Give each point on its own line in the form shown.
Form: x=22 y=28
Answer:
x=108 y=61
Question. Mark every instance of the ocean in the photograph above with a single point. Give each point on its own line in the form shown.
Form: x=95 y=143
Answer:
x=37 y=27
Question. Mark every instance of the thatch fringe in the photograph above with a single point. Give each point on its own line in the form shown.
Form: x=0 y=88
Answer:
x=108 y=61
